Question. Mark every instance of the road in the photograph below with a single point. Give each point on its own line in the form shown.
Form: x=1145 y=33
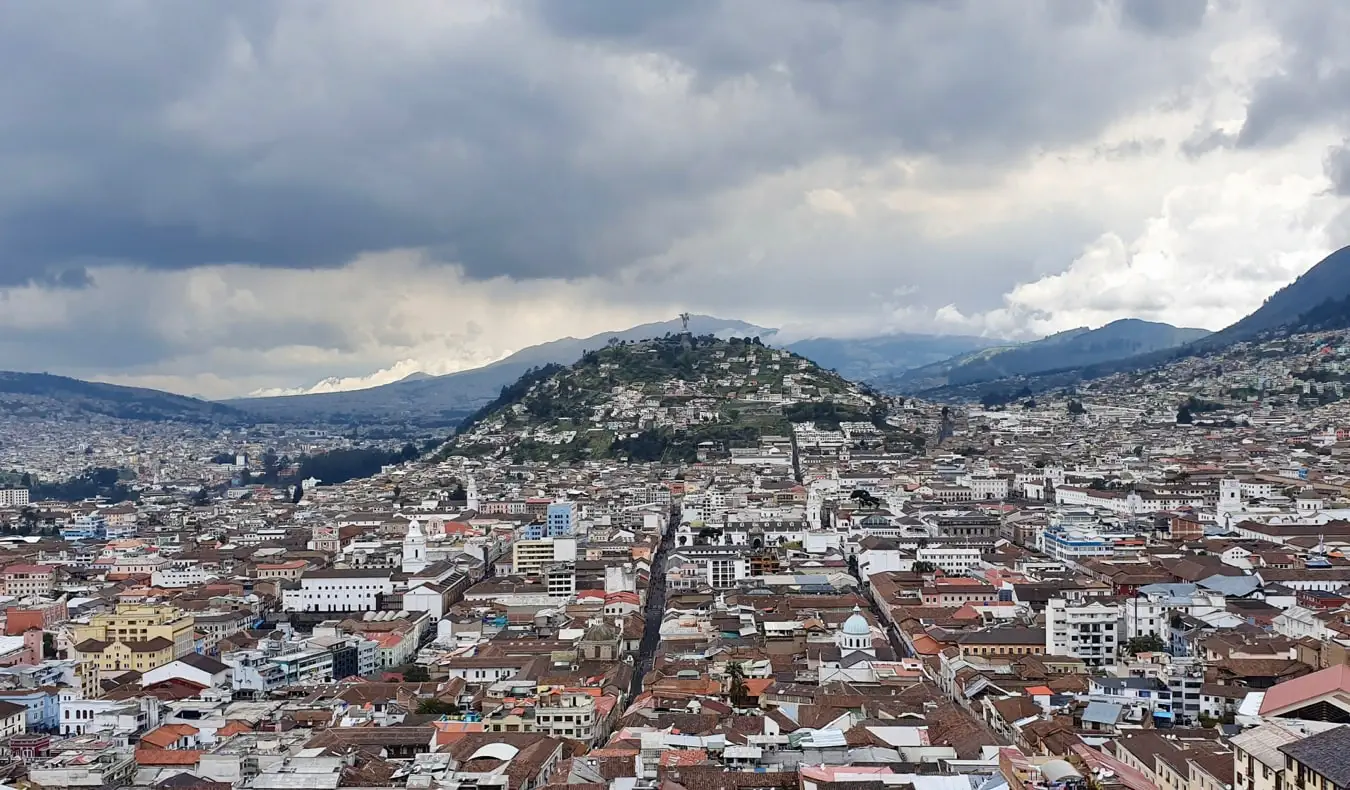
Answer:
x=656 y=605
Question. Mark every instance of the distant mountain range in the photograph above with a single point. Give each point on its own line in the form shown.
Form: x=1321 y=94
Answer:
x=1319 y=300
x=938 y=366
x=42 y=394
x=1072 y=348
x=440 y=401
x=879 y=360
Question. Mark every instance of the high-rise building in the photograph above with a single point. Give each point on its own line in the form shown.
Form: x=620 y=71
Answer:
x=561 y=520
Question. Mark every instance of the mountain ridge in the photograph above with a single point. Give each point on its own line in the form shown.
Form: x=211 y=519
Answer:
x=1319 y=299
x=1076 y=347
x=51 y=394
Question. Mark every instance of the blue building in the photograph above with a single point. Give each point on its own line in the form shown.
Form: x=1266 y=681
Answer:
x=561 y=520
x=87 y=527
x=44 y=707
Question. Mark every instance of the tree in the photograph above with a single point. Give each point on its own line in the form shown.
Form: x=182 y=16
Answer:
x=26 y=481
x=1075 y=408
x=48 y=644
x=1184 y=416
x=437 y=707
x=409 y=452
x=416 y=673
x=853 y=566
x=298 y=495
x=1145 y=644
x=736 y=688
x=245 y=477
x=864 y=498
x=201 y=498
x=924 y=566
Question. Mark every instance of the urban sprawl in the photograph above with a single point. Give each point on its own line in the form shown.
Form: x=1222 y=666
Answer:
x=1141 y=582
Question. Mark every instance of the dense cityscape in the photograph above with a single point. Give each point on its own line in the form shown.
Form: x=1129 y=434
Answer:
x=700 y=563
x=675 y=395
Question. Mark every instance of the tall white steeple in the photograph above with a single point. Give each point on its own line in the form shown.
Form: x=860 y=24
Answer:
x=472 y=494
x=1230 y=501
x=414 y=549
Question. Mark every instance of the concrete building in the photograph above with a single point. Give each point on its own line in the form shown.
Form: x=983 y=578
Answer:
x=339 y=590
x=1086 y=630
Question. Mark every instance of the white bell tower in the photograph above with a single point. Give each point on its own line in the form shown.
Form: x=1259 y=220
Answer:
x=472 y=494
x=1230 y=500
x=414 y=549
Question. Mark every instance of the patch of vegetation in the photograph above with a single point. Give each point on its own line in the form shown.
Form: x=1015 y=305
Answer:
x=96 y=482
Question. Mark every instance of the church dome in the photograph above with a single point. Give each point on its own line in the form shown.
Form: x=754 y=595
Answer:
x=856 y=624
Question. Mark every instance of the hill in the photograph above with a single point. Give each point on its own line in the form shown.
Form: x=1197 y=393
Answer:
x=1319 y=300
x=440 y=401
x=42 y=394
x=1306 y=303
x=671 y=399
x=883 y=358
x=1070 y=349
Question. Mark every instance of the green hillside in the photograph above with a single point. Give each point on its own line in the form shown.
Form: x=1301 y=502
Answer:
x=667 y=399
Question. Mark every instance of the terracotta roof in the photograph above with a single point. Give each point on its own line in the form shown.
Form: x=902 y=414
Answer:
x=167 y=735
x=168 y=756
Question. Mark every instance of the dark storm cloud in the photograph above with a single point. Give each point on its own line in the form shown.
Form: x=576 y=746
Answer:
x=1167 y=17
x=1312 y=82
x=1204 y=140
x=1337 y=168
x=522 y=143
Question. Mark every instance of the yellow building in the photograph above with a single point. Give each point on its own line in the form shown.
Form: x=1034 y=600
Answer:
x=132 y=622
x=140 y=655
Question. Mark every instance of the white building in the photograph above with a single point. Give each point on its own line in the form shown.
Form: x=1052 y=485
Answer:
x=1150 y=613
x=1085 y=630
x=174 y=578
x=951 y=559
x=528 y=557
x=13 y=497
x=349 y=590
x=414 y=549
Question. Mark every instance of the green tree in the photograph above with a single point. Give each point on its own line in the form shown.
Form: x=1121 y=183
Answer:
x=437 y=707
x=1145 y=644
x=924 y=566
x=736 y=688
x=416 y=673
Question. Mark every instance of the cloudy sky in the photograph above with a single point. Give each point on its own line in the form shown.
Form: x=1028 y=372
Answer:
x=215 y=198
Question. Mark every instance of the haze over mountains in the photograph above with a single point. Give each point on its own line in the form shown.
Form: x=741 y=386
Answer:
x=1072 y=348
x=937 y=366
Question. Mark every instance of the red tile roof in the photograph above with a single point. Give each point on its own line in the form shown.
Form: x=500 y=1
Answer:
x=168 y=756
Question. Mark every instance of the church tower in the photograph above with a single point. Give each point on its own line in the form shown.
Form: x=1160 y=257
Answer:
x=414 y=549
x=1230 y=500
x=472 y=494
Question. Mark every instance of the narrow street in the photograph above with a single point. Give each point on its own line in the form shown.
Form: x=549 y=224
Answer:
x=656 y=605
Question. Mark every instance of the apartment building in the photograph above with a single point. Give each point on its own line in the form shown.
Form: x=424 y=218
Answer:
x=1086 y=630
